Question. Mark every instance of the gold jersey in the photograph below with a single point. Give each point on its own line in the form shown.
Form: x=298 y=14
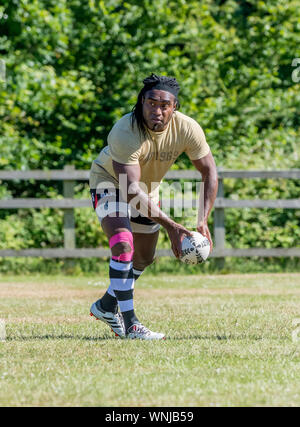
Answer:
x=155 y=152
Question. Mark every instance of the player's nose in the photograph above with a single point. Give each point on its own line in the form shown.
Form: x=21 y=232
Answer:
x=157 y=116
x=157 y=111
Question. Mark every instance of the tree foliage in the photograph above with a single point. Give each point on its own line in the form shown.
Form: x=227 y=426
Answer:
x=73 y=68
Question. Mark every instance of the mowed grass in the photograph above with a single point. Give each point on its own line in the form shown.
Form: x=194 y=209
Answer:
x=229 y=343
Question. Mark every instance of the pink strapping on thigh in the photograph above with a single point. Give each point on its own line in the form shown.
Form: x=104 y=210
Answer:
x=124 y=236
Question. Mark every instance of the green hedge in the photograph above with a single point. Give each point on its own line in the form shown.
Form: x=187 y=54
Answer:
x=73 y=68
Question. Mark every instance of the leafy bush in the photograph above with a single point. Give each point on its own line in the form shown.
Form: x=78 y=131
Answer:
x=74 y=68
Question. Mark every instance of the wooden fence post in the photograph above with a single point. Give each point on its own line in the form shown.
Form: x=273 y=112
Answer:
x=219 y=226
x=69 y=218
x=69 y=175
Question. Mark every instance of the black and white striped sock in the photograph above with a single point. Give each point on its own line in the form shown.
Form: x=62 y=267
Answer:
x=109 y=301
x=122 y=283
x=136 y=273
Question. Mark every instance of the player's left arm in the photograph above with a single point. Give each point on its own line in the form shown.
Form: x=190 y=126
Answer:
x=207 y=167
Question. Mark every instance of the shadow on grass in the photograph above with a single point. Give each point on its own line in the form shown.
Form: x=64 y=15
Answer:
x=216 y=337
x=108 y=337
x=59 y=337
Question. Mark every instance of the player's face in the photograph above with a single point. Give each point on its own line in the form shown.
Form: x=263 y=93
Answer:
x=158 y=107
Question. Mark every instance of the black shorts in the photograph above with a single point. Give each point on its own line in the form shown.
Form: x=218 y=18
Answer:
x=108 y=201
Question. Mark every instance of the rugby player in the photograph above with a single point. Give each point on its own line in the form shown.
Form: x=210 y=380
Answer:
x=124 y=185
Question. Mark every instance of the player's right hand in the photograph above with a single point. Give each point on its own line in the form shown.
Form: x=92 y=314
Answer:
x=176 y=234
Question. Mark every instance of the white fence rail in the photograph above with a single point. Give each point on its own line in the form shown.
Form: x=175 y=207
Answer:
x=69 y=176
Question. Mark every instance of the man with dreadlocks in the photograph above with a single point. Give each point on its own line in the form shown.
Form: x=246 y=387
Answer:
x=142 y=146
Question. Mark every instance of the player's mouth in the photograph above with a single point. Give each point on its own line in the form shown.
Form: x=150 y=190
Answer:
x=153 y=120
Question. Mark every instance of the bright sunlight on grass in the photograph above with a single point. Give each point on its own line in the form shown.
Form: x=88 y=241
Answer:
x=229 y=343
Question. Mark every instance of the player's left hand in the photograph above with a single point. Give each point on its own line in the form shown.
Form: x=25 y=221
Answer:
x=204 y=230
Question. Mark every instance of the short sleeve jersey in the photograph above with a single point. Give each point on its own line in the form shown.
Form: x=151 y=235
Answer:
x=155 y=152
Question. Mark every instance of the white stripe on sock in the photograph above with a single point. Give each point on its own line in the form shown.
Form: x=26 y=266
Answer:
x=137 y=272
x=126 y=305
x=121 y=266
x=121 y=284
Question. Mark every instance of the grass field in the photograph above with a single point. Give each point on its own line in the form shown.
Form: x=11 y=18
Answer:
x=229 y=343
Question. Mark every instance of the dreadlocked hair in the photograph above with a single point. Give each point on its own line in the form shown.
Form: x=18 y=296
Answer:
x=150 y=83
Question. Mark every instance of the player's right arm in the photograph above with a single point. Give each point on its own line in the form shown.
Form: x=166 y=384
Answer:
x=130 y=189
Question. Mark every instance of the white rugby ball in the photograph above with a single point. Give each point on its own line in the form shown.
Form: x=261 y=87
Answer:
x=194 y=249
